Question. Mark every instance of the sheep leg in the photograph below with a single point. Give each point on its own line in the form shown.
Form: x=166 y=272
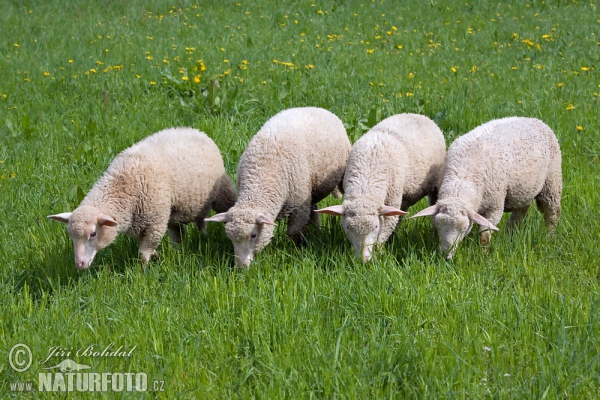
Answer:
x=548 y=201
x=516 y=217
x=389 y=224
x=314 y=217
x=485 y=234
x=297 y=222
x=200 y=223
x=149 y=241
x=176 y=232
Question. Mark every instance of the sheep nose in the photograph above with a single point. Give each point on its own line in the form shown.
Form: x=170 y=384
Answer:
x=80 y=264
x=243 y=264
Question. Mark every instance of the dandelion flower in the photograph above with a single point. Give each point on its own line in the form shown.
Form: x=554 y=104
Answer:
x=570 y=107
x=579 y=128
x=560 y=84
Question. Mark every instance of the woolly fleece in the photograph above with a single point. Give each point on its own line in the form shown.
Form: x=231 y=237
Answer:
x=395 y=164
x=500 y=166
x=295 y=160
x=170 y=178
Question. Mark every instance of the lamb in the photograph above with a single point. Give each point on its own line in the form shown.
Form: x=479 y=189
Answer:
x=390 y=168
x=162 y=182
x=500 y=166
x=295 y=160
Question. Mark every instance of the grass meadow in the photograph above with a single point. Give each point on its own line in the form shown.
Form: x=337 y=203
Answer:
x=81 y=81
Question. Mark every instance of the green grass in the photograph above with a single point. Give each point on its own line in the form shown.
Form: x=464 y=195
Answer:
x=83 y=80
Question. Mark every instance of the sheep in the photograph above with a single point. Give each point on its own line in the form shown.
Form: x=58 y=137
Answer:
x=162 y=182
x=390 y=168
x=295 y=160
x=500 y=166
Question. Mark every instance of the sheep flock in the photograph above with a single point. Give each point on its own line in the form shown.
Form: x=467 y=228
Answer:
x=299 y=157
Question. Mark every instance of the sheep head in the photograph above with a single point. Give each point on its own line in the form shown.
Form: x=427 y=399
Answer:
x=249 y=230
x=453 y=220
x=362 y=228
x=90 y=230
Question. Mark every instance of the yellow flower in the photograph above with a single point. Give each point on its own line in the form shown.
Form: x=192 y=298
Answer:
x=138 y=76
x=570 y=107
x=46 y=73
x=585 y=69
x=473 y=69
x=152 y=83
x=399 y=46
x=16 y=44
x=453 y=69
x=539 y=66
x=225 y=61
x=579 y=128
x=560 y=84
x=310 y=66
x=264 y=82
x=149 y=58
x=514 y=68
x=70 y=61
x=184 y=78
x=197 y=79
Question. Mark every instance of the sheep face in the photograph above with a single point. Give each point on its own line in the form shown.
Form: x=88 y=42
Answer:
x=361 y=225
x=452 y=228
x=453 y=220
x=250 y=231
x=362 y=231
x=90 y=231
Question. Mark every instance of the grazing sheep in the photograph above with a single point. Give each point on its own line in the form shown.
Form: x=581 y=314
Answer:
x=500 y=166
x=390 y=168
x=168 y=179
x=295 y=160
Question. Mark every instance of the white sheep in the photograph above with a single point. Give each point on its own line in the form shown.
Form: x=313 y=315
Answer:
x=390 y=168
x=295 y=160
x=168 y=179
x=500 y=166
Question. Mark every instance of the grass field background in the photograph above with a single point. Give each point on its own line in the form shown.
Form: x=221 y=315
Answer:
x=81 y=81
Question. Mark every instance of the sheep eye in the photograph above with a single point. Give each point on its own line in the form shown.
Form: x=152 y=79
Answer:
x=93 y=234
x=253 y=236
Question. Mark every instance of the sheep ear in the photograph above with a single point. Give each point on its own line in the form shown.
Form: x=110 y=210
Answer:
x=431 y=210
x=222 y=217
x=478 y=219
x=64 y=217
x=263 y=219
x=105 y=220
x=333 y=210
x=389 y=211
